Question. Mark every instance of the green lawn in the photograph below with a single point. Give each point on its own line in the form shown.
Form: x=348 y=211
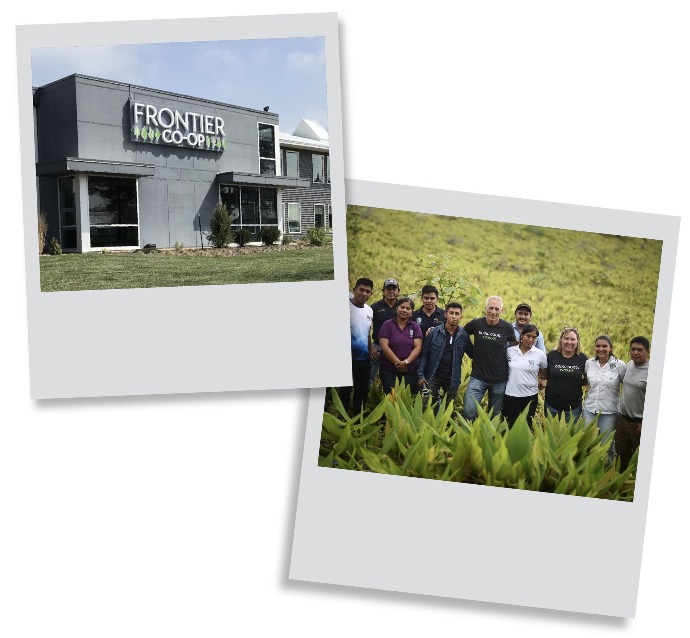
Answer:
x=97 y=271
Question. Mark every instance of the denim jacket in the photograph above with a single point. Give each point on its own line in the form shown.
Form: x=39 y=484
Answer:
x=434 y=345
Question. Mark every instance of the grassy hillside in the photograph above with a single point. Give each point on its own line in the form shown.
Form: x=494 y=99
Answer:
x=598 y=283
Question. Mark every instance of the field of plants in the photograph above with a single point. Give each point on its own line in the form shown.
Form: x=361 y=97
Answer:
x=602 y=284
x=399 y=437
x=598 y=283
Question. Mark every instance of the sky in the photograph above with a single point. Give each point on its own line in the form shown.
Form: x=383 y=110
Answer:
x=286 y=74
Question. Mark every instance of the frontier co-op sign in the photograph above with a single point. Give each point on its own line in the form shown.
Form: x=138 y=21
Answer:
x=162 y=125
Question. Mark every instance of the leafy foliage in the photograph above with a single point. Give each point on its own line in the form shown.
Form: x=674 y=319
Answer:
x=54 y=247
x=603 y=284
x=316 y=236
x=270 y=235
x=242 y=236
x=220 y=231
x=451 y=284
x=400 y=437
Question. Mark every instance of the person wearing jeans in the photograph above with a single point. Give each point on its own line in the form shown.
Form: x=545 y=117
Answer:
x=360 y=342
x=440 y=366
x=604 y=375
x=492 y=336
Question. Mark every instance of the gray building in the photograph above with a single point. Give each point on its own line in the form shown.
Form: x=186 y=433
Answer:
x=304 y=155
x=120 y=166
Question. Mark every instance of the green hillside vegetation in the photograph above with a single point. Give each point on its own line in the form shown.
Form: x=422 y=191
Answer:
x=596 y=282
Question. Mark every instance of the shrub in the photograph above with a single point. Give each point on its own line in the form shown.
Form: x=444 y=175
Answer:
x=441 y=271
x=179 y=245
x=242 y=236
x=286 y=240
x=316 y=236
x=401 y=437
x=54 y=248
x=220 y=231
x=270 y=235
x=42 y=232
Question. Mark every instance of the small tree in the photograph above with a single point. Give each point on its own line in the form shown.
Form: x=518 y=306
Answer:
x=42 y=232
x=452 y=285
x=316 y=236
x=242 y=236
x=55 y=248
x=270 y=235
x=221 y=232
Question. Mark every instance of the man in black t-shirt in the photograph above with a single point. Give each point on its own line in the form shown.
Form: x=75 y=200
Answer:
x=383 y=309
x=492 y=336
x=429 y=315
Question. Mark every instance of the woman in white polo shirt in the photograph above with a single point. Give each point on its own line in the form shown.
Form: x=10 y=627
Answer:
x=605 y=374
x=522 y=390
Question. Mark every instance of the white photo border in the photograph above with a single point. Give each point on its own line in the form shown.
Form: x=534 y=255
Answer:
x=476 y=542
x=170 y=329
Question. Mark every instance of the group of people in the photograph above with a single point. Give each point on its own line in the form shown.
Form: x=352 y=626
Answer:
x=424 y=348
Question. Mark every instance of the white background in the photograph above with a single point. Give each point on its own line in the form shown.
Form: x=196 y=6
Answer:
x=173 y=515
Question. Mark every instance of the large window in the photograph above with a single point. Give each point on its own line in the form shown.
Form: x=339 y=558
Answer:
x=319 y=215
x=267 y=149
x=250 y=207
x=294 y=221
x=318 y=176
x=113 y=216
x=68 y=213
x=291 y=164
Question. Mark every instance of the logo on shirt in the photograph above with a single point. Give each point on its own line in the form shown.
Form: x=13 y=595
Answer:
x=567 y=369
x=491 y=336
x=411 y=333
x=419 y=320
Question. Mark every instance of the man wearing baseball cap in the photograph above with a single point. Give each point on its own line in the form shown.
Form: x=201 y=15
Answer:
x=523 y=316
x=383 y=310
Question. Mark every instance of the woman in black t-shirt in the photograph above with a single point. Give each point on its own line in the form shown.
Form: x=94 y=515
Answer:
x=565 y=376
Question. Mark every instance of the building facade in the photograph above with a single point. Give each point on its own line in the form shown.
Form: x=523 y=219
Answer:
x=304 y=155
x=120 y=166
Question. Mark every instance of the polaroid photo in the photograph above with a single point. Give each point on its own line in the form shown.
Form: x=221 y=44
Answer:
x=429 y=499
x=183 y=195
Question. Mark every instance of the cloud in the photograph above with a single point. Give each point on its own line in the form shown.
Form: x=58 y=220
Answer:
x=306 y=61
x=112 y=62
x=228 y=60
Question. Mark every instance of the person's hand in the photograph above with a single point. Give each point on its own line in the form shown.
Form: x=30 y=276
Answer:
x=401 y=366
x=374 y=353
x=422 y=382
x=638 y=431
x=542 y=384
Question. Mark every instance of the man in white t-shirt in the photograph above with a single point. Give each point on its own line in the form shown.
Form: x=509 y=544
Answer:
x=360 y=342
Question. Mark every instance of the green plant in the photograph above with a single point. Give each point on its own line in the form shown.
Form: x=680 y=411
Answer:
x=104 y=251
x=242 y=236
x=54 y=247
x=42 y=232
x=270 y=235
x=179 y=245
x=220 y=232
x=286 y=240
x=452 y=285
x=401 y=437
x=316 y=236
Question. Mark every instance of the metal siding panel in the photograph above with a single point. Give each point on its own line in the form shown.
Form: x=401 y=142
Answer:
x=182 y=213
x=153 y=212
